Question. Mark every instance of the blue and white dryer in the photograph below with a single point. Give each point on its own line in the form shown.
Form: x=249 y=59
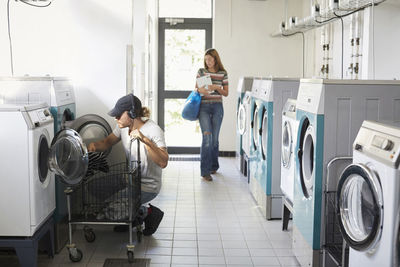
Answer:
x=265 y=172
x=329 y=113
x=244 y=85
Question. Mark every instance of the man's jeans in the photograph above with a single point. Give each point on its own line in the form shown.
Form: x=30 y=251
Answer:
x=210 y=118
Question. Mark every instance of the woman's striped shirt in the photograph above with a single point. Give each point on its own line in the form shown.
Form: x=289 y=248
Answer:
x=218 y=78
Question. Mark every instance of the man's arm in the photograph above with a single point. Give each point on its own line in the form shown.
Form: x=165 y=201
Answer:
x=104 y=144
x=157 y=154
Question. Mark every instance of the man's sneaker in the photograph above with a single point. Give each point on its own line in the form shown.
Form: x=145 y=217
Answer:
x=152 y=221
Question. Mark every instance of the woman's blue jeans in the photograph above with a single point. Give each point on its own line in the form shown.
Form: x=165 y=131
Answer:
x=210 y=118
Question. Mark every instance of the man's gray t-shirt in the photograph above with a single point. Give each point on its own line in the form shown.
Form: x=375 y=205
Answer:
x=151 y=172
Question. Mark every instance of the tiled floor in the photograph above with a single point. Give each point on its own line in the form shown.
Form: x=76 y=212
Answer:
x=205 y=224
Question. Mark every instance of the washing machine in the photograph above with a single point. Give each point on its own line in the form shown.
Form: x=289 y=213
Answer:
x=288 y=144
x=244 y=85
x=368 y=197
x=330 y=113
x=29 y=158
x=59 y=93
x=265 y=173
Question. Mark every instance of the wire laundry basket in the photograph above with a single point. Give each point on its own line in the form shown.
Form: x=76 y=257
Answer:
x=109 y=196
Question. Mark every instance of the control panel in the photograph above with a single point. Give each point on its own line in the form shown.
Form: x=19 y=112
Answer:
x=266 y=93
x=380 y=141
x=310 y=97
x=256 y=87
x=40 y=117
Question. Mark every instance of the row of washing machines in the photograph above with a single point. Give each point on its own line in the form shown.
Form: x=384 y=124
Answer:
x=328 y=152
x=40 y=157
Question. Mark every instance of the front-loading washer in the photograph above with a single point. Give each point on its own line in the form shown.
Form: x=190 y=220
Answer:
x=330 y=113
x=368 y=197
x=29 y=157
x=59 y=93
x=244 y=85
x=265 y=172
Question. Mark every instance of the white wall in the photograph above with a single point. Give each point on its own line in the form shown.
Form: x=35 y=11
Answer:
x=85 y=40
x=241 y=34
x=382 y=34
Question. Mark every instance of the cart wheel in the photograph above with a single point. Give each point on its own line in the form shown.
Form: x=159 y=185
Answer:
x=130 y=256
x=139 y=235
x=75 y=255
x=90 y=236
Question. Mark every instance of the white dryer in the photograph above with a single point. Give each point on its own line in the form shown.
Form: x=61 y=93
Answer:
x=27 y=163
x=368 y=197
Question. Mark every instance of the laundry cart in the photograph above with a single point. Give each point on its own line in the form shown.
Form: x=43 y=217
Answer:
x=108 y=195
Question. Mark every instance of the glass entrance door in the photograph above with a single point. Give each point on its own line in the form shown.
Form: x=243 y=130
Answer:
x=182 y=43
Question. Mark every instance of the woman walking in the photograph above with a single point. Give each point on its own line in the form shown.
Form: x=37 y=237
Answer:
x=211 y=111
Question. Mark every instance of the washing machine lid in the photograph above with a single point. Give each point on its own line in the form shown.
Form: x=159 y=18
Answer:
x=287 y=144
x=360 y=207
x=241 y=119
x=68 y=156
x=264 y=133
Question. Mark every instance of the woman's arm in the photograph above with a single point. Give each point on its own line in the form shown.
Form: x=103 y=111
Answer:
x=222 y=90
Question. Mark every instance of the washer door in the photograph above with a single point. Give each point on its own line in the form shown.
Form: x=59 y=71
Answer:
x=360 y=207
x=287 y=143
x=264 y=134
x=241 y=119
x=307 y=162
x=256 y=135
x=68 y=156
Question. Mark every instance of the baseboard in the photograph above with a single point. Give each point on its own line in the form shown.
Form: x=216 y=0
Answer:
x=196 y=157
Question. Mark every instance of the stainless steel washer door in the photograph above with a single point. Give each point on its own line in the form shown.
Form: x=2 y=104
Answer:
x=360 y=207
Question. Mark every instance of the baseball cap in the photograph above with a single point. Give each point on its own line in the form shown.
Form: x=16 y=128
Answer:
x=125 y=103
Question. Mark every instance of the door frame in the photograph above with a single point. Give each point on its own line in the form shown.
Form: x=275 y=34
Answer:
x=187 y=24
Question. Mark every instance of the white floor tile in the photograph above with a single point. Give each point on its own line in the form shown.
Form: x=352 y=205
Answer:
x=205 y=224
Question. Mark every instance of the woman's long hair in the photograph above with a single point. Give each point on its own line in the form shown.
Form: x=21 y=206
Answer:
x=218 y=64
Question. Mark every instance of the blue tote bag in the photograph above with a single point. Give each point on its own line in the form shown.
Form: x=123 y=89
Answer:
x=192 y=106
